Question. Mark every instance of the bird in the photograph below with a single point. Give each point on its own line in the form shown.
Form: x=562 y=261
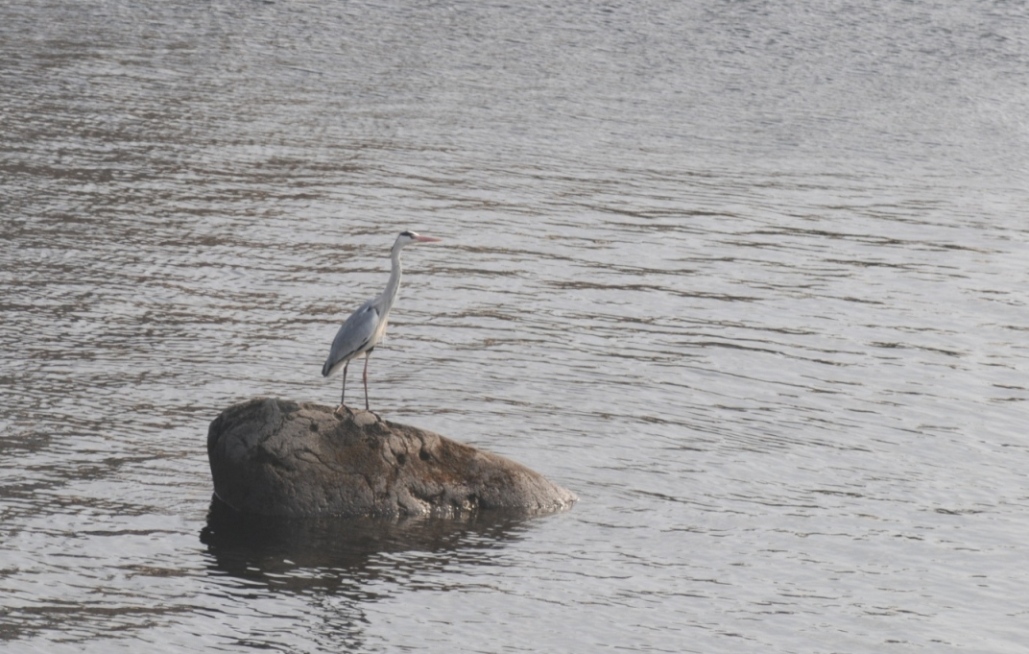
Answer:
x=365 y=327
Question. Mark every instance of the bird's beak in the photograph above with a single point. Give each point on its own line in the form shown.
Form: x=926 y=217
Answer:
x=427 y=239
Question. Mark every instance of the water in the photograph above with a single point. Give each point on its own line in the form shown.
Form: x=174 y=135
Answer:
x=748 y=277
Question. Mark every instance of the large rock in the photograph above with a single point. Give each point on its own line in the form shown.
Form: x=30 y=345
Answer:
x=280 y=458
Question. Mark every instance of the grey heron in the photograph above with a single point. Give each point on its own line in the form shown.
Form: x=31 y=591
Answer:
x=363 y=330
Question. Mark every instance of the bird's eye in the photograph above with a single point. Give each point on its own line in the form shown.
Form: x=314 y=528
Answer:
x=407 y=234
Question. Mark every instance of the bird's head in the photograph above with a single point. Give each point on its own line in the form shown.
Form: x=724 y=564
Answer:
x=407 y=238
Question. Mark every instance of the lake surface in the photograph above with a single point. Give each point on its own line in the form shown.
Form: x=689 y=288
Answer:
x=748 y=277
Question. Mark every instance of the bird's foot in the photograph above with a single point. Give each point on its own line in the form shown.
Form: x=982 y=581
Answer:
x=344 y=408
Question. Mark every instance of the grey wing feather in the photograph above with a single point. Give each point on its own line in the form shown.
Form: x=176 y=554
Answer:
x=353 y=337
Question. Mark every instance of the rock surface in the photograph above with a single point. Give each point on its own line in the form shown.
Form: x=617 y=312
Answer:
x=281 y=458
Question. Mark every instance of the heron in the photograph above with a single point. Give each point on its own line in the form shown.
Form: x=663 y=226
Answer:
x=365 y=327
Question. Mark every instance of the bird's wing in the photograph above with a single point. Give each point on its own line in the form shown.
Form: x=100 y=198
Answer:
x=353 y=337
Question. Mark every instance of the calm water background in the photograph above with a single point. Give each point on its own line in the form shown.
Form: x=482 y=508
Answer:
x=747 y=276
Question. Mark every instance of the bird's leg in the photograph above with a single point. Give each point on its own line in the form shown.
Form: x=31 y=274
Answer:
x=366 y=357
x=344 y=393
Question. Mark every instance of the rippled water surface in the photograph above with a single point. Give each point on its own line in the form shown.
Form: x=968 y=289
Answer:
x=749 y=277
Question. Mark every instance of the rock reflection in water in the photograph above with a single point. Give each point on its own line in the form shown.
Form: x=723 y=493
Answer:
x=343 y=555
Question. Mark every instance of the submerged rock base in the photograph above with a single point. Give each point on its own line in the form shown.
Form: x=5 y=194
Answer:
x=281 y=458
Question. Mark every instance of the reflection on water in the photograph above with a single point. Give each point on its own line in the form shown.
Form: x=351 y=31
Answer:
x=327 y=554
x=342 y=567
x=749 y=278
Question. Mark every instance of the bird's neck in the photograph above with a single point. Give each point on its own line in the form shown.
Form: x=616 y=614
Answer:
x=393 y=286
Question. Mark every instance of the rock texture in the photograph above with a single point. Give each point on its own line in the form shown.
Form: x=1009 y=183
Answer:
x=281 y=458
